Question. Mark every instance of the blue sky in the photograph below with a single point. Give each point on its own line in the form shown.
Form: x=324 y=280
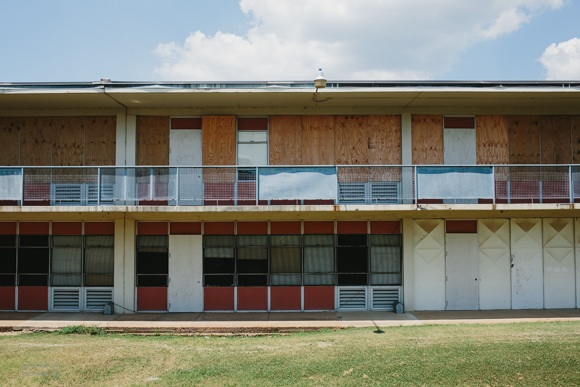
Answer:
x=276 y=40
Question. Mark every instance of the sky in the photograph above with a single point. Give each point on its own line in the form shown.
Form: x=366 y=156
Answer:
x=288 y=40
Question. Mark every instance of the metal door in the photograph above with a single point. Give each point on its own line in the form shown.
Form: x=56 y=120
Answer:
x=185 y=289
x=461 y=270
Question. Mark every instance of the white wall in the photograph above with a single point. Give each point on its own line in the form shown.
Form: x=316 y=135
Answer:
x=494 y=264
x=429 y=264
x=559 y=266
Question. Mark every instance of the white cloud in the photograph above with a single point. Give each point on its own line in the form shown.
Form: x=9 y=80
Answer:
x=562 y=60
x=363 y=39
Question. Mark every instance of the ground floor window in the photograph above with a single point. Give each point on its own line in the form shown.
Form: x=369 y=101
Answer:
x=152 y=260
x=294 y=260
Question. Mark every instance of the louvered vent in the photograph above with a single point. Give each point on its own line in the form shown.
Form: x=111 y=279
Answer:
x=385 y=192
x=385 y=298
x=351 y=192
x=67 y=194
x=97 y=298
x=66 y=299
x=106 y=193
x=352 y=298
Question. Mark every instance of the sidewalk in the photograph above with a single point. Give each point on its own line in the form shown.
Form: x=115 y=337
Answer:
x=263 y=322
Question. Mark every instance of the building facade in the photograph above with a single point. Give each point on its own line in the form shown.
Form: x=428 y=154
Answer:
x=188 y=197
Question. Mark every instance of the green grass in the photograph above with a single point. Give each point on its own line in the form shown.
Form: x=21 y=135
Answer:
x=504 y=354
x=81 y=330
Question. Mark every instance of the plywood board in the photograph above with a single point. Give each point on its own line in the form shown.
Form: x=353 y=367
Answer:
x=219 y=140
x=524 y=139
x=36 y=141
x=68 y=141
x=100 y=140
x=427 y=138
x=152 y=140
x=318 y=140
x=351 y=143
x=575 y=125
x=555 y=136
x=492 y=140
x=10 y=140
x=285 y=140
x=384 y=140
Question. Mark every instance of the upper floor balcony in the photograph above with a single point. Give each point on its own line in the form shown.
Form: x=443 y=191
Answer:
x=288 y=185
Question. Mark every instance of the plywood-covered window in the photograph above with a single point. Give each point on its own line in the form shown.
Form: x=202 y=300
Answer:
x=352 y=259
x=7 y=260
x=252 y=260
x=319 y=260
x=33 y=260
x=67 y=259
x=219 y=265
x=286 y=257
x=385 y=254
x=99 y=260
x=152 y=260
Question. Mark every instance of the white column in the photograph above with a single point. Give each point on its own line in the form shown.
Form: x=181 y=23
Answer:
x=124 y=285
x=406 y=156
x=408 y=266
x=126 y=152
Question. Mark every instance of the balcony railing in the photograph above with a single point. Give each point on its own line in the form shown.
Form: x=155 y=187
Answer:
x=289 y=185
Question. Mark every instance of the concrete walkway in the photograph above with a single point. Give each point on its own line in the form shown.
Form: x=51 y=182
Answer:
x=206 y=323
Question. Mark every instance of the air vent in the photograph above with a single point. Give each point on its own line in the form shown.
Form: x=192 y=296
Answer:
x=385 y=298
x=66 y=299
x=351 y=192
x=385 y=192
x=67 y=194
x=97 y=298
x=352 y=298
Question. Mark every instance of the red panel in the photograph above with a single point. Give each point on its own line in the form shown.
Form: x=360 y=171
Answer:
x=253 y=298
x=218 y=298
x=319 y=298
x=100 y=228
x=285 y=228
x=285 y=298
x=253 y=123
x=459 y=122
x=185 y=228
x=186 y=123
x=152 y=228
x=218 y=228
x=7 y=294
x=33 y=298
x=252 y=228
x=318 y=228
x=67 y=228
x=152 y=299
x=392 y=227
x=351 y=227
x=34 y=228
x=461 y=226
x=7 y=228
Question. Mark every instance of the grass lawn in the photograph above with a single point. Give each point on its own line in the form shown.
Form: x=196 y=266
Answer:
x=545 y=354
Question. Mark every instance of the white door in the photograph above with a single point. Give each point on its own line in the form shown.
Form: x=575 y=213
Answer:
x=185 y=147
x=461 y=269
x=559 y=266
x=495 y=290
x=459 y=146
x=527 y=266
x=185 y=290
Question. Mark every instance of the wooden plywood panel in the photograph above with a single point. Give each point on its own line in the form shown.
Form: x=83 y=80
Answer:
x=351 y=141
x=492 y=140
x=555 y=135
x=36 y=141
x=384 y=140
x=219 y=140
x=427 y=137
x=68 y=145
x=152 y=140
x=524 y=140
x=10 y=140
x=285 y=140
x=575 y=125
x=318 y=140
x=100 y=140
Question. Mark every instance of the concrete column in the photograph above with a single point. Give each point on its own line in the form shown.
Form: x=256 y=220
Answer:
x=126 y=152
x=124 y=285
x=408 y=266
x=407 y=158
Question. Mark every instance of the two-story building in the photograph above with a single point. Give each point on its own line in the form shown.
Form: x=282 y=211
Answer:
x=280 y=196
